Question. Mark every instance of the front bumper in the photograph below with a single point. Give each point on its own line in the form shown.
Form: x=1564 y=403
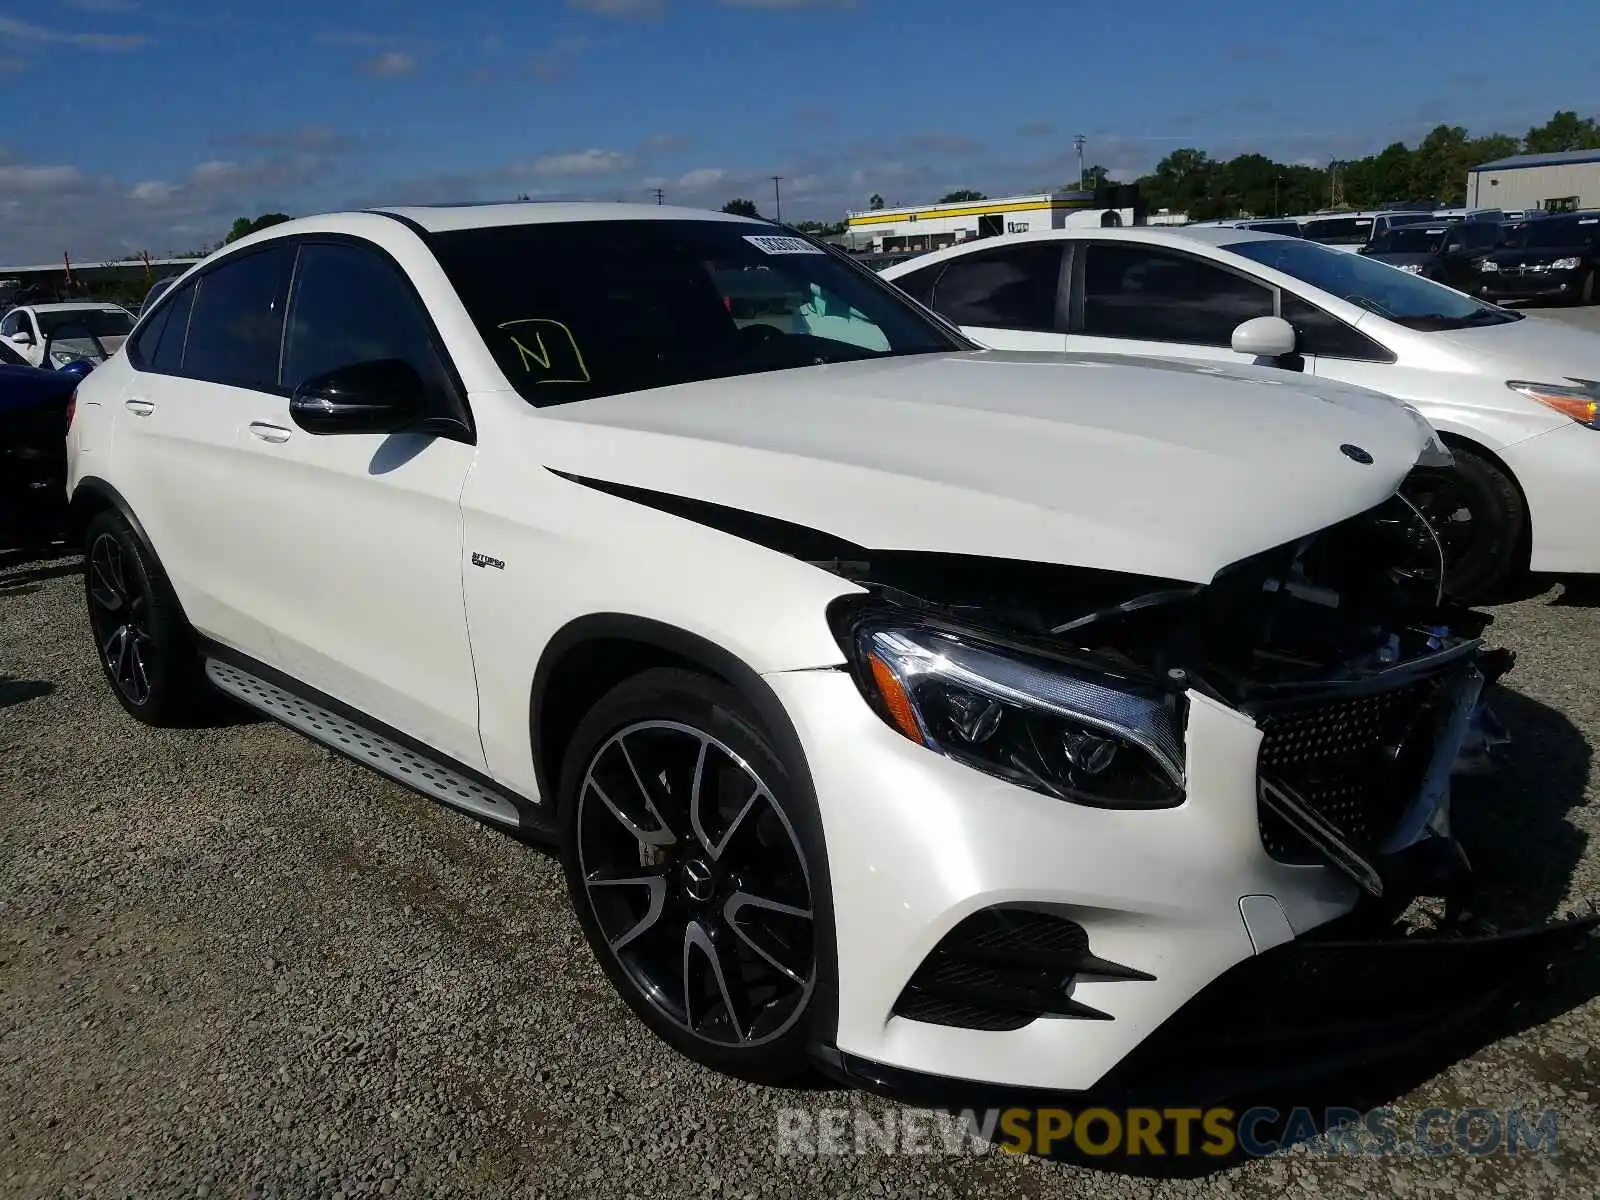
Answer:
x=1560 y=476
x=1301 y=1013
x=1533 y=285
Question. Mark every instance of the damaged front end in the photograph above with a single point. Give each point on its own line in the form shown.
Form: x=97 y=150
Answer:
x=1364 y=680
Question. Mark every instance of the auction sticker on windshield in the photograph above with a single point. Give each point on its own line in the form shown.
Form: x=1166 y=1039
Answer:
x=768 y=244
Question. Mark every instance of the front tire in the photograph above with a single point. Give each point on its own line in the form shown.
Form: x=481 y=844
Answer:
x=693 y=860
x=147 y=651
x=1479 y=516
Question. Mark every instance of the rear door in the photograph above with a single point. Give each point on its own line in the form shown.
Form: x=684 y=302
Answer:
x=1004 y=297
x=201 y=363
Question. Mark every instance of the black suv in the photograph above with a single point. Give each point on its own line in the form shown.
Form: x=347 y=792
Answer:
x=1446 y=252
x=1552 y=257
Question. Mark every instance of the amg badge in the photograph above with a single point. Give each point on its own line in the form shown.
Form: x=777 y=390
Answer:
x=483 y=560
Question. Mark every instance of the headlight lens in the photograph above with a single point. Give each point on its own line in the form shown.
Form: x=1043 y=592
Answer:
x=1094 y=741
x=1411 y=268
x=1566 y=264
x=1579 y=400
x=1488 y=264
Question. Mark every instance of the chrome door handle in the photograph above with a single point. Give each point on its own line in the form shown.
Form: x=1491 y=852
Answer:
x=268 y=432
x=139 y=408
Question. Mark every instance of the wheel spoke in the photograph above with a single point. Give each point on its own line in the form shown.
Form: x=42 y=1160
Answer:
x=740 y=901
x=644 y=794
x=697 y=938
x=649 y=837
x=656 y=886
x=141 y=673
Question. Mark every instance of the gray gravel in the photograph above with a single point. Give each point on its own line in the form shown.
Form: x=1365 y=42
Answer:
x=232 y=964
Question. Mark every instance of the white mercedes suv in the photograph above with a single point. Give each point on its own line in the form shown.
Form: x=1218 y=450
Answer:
x=924 y=712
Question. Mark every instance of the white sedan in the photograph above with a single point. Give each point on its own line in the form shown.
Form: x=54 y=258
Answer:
x=52 y=335
x=1516 y=397
x=912 y=709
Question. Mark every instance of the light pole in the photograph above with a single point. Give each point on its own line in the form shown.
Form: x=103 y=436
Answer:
x=1078 y=143
x=777 y=198
x=658 y=193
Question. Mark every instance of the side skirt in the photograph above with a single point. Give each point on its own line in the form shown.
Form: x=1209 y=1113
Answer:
x=368 y=742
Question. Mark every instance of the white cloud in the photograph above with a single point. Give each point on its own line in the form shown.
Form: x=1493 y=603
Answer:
x=151 y=190
x=700 y=179
x=391 y=65
x=581 y=162
x=620 y=8
x=20 y=32
x=39 y=179
x=103 y=6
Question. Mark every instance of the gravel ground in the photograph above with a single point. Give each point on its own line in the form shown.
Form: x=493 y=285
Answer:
x=232 y=964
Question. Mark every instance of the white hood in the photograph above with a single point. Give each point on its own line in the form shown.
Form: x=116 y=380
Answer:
x=1537 y=347
x=1151 y=467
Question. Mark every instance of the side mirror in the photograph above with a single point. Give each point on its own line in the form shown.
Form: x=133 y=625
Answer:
x=383 y=396
x=1264 y=337
x=23 y=337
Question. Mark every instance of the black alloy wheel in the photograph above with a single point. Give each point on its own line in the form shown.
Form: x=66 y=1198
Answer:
x=1479 y=518
x=691 y=875
x=119 y=614
x=145 y=646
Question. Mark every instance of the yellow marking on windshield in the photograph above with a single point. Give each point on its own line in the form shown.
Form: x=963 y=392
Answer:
x=542 y=355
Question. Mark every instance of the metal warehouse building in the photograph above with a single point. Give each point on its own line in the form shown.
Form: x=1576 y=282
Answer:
x=1537 y=182
x=934 y=226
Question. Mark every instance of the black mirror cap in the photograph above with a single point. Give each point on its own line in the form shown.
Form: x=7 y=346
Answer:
x=382 y=396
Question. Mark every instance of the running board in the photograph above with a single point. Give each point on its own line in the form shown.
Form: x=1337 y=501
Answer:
x=403 y=765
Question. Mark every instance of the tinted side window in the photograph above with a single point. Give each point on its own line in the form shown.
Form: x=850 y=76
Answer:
x=1326 y=336
x=167 y=356
x=1134 y=292
x=351 y=305
x=236 y=331
x=919 y=284
x=142 y=347
x=1010 y=288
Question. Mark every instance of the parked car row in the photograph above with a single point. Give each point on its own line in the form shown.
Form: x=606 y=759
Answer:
x=1515 y=397
x=942 y=716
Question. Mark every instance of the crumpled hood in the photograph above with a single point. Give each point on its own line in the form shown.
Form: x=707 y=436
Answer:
x=1145 y=466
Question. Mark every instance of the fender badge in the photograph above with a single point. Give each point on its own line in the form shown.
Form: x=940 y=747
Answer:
x=1356 y=453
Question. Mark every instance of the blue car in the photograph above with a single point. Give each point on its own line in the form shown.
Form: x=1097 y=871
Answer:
x=33 y=451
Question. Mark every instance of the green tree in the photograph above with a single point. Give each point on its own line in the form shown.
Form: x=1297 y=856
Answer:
x=960 y=196
x=876 y=202
x=741 y=208
x=244 y=226
x=1564 y=131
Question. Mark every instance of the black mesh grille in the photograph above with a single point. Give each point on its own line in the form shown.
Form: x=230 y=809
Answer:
x=1358 y=761
x=1002 y=968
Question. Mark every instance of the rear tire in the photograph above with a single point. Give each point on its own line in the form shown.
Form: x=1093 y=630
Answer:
x=694 y=863
x=146 y=649
x=1479 y=515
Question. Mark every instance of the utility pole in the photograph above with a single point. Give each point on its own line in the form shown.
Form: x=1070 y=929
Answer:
x=658 y=193
x=777 y=198
x=1277 y=208
x=1078 y=142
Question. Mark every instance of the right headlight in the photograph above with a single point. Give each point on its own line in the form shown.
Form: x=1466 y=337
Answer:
x=1076 y=735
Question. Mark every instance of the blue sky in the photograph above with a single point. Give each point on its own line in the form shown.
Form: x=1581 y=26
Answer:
x=152 y=123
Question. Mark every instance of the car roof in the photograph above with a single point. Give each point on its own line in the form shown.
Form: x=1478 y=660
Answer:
x=442 y=218
x=74 y=306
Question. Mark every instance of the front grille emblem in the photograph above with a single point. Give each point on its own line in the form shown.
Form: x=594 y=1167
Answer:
x=1356 y=453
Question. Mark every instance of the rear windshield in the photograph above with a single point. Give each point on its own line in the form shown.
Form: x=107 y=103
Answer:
x=575 y=310
x=1413 y=239
x=84 y=323
x=1338 y=231
x=1283 y=228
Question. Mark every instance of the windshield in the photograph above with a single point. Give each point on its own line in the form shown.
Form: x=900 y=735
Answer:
x=81 y=323
x=1412 y=240
x=1338 y=231
x=1552 y=235
x=1405 y=299
x=575 y=310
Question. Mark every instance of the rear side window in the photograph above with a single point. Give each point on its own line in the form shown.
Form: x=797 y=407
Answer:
x=351 y=305
x=1012 y=287
x=919 y=284
x=236 y=330
x=158 y=346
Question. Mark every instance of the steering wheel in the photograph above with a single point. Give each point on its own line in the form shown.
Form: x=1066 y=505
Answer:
x=759 y=333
